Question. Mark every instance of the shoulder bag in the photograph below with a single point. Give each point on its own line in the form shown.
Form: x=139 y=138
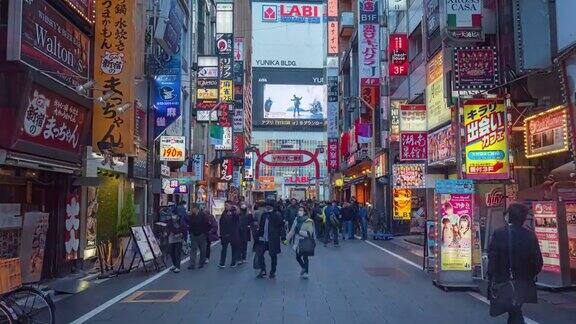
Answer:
x=306 y=245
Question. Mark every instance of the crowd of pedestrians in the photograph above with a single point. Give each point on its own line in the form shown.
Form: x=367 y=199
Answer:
x=267 y=225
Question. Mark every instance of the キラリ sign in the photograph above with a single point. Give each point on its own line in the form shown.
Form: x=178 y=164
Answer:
x=172 y=148
x=486 y=139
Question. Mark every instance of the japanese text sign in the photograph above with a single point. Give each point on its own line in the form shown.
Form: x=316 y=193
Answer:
x=486 y=139
x=369 y=50
x=333 y=36
x=333 y=160
x=402 y=204
x=114 y=73
x=413 y=146
x=437 y=111
x=411 y=176
x=226 y=91
x=53 y=121
x=547 y=133
x=226 y=170
x=332 y=8
x=172 y=148
x=398 y=49
x=413 y=118
x=546 y=228
x=166 y=101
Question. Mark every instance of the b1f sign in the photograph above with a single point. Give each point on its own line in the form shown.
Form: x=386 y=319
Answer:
x=398 y=49
x=368 y=11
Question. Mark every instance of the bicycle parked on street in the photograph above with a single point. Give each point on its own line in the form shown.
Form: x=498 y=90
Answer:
x=22 y=304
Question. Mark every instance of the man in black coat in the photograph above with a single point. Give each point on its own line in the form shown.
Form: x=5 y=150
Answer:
x=229 y=234
x=525 y=256
x=271 y=231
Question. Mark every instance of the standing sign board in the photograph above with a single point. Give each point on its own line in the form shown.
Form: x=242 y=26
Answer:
x=454 y=200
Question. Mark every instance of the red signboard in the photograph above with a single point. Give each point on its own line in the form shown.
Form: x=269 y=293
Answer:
x=333 y=161
x=53 y=121
x=85 y=8
x=238 y=144
x=475 y=68
x=413 y=146
x=333 y=37
x=332 y=8
x=297 y=180
x=226 y=170
x=398 y=60
x=44 y=39
x=225 y=118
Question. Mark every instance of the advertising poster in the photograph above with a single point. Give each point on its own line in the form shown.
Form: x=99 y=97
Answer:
x=475 y=68
x=398 y=60
x=547 y=133
x=456 y=231
x=114 y=72
x=402 y=204
x=486 y=139
x=172 y=186
x=442 y=146
x=294 y=101
x=41 y=37
x=226 y=143
x=409 y=176
x=91 y=220
x=413 y=146
x=172 y=148
x=303 y=41
x=152 y=241
x=265 y=183
x=395 y=119
x=546 y=228
x=142 y=243
x=412 y=118
x=437 y=110
x=33 y=245
x=571 y=224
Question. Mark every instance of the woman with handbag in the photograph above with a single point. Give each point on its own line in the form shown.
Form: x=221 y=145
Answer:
x=304 y=234
x=514 y=260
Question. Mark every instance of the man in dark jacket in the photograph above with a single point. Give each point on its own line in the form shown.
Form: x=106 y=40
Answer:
x=332 y=219
x=212 y=233
x=271 y=231
x=198 y=227
x=525 y=256
x=246 y=221
x=291 y=212
x=348 y=221
x=229 y=234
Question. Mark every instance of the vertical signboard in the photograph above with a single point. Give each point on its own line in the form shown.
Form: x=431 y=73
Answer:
x=332 y=82
x=402 y=204
x=546 y=228
x=114 y=74
x=333 y=160
x=333 y=35
x=166 y=101
x=486 y=139
x=413 y=146
x=369 y=51
x=206 y=88
x=398 y=61
x=438 y=112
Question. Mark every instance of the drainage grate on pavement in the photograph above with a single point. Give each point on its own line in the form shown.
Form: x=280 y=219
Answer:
x=156 y=296
x=385 y=272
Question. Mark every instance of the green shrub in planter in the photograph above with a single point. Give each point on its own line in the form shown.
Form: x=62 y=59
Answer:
x=127 y=216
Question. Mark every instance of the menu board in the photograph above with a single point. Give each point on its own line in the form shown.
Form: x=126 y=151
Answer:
x=142 y=243
x=546 y=228
x=153 y=241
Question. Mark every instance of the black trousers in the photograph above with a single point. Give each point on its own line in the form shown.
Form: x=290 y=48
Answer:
x=273 y=258
x=516 y=316
x=243 y=249
x=208 y=246
x=176 y=253
x=303 y=261
x=233 y=246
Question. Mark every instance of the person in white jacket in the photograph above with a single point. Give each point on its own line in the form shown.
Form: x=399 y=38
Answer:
x=303 y=227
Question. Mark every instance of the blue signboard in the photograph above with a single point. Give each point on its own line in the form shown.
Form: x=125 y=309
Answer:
x=166 y=101
x=454 y=186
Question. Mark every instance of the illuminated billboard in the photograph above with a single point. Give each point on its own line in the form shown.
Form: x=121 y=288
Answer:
x=288 y=35
x=289 y=99
x=294 y=101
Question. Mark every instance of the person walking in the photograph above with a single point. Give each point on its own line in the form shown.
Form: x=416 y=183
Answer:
x=212 y=234
x=332 y=223
x=198 y=228
x=271 y=231
x=229 y=234
x=176 y=227
x=246 y=224
x=514 y=254
x=348 y=221
x=303 y=228
x=363 y=219
x=290 y=212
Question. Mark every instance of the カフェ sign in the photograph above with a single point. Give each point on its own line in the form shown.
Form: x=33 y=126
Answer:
x=39 y=36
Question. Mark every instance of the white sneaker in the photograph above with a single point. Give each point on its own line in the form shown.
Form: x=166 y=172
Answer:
x=305 y=275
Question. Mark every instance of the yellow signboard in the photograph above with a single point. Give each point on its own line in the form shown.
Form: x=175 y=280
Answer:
x=207 y=94
x=112 y=126
x=486 y=144
x=226 y=94
x=437 y=111
x=402 y=204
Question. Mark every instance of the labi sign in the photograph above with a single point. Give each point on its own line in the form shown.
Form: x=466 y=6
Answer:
x=39 y=36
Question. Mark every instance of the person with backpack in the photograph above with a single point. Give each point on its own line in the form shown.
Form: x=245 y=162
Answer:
x=304 y=234
x=332 y=223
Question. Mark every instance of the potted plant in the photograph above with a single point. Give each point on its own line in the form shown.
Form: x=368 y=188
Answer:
x=126 y=221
